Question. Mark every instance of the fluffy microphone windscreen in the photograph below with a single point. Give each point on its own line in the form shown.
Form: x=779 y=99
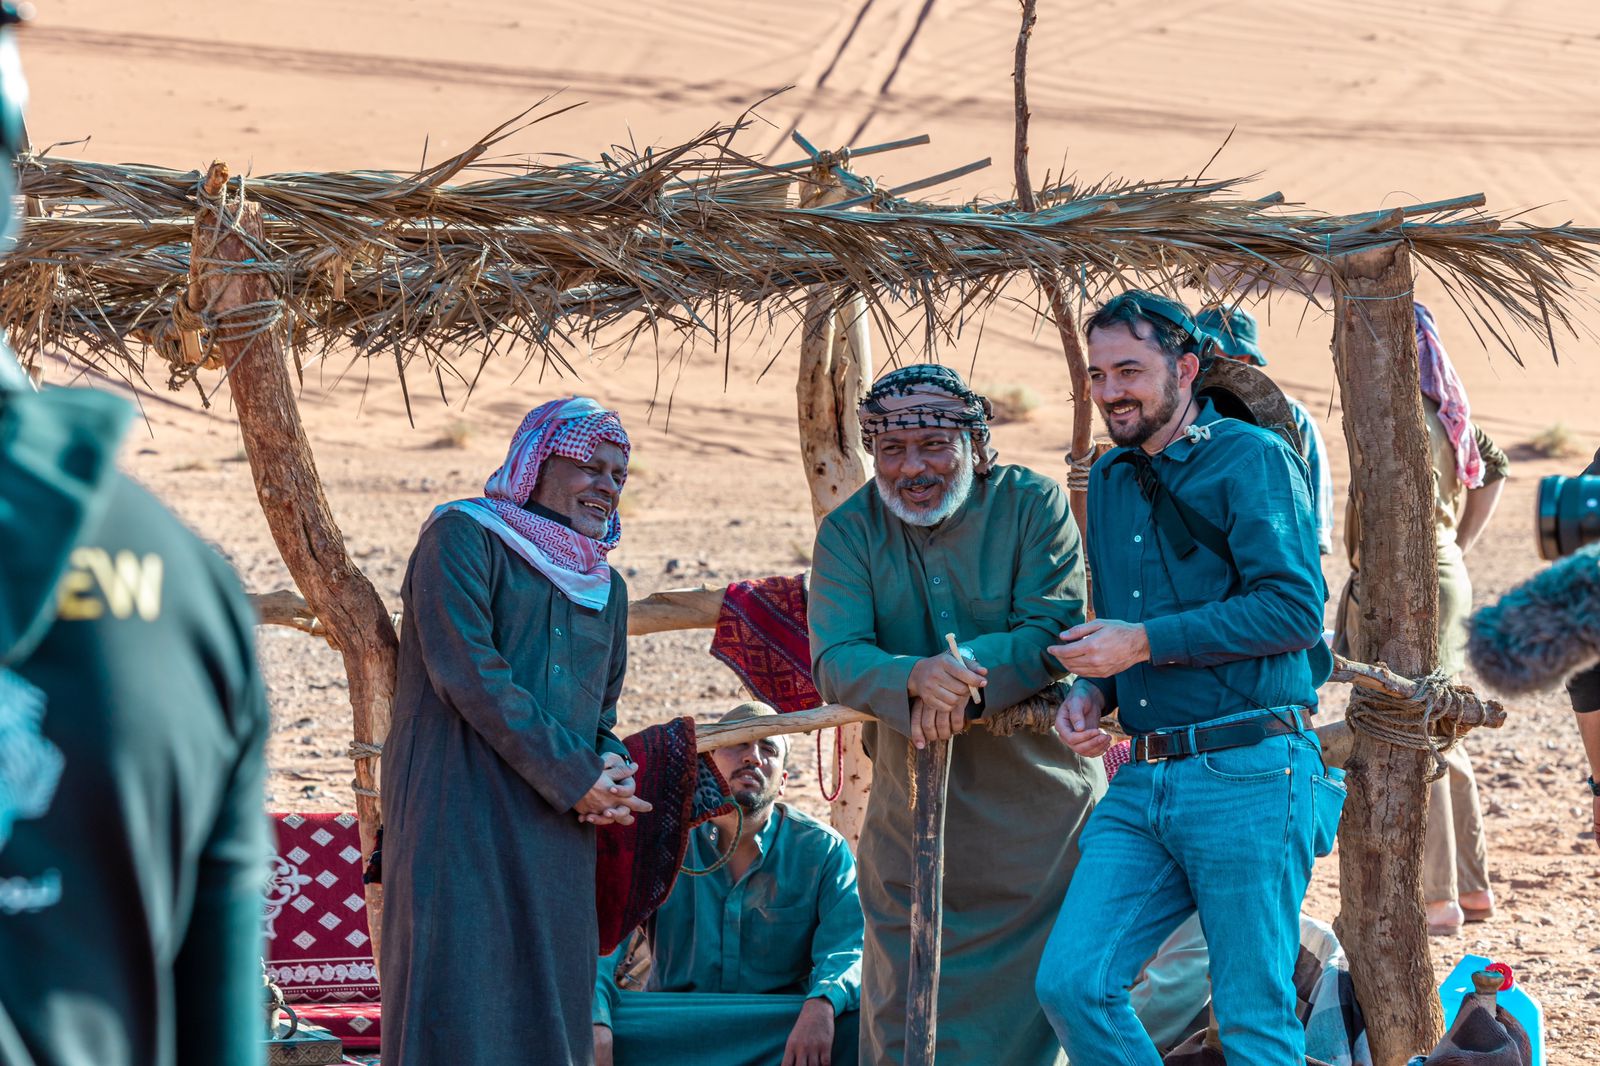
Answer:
x=1542 y=630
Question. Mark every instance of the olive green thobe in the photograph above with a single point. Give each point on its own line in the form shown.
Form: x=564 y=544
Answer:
x=1005 y=575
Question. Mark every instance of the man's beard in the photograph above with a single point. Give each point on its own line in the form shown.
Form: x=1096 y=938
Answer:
x=1149 y=422
x=755 y=800
x=956 y=491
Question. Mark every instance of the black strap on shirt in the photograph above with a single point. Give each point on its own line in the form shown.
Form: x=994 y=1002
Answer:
x=1182 y=525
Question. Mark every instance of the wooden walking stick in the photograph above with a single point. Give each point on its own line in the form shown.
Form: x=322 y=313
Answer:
x=930 y=779
x=930 y=775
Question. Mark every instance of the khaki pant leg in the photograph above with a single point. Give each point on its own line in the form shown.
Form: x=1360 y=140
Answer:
x=1472 y=858
x=1455 y=856
x=1439 y=844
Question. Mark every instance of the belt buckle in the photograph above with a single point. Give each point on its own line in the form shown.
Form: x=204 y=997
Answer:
x=1148 y=758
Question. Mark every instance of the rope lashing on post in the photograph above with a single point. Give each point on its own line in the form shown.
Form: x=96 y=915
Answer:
x=1078 y=467
x=1036 y=714
x=200 y=329
x=358 y=750
x=1432 y=717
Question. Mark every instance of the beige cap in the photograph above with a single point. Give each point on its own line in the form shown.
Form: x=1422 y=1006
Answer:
x=748 y=710
x=756 y=709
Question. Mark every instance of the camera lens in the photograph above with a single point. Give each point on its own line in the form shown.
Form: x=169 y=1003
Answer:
x=1568 y=514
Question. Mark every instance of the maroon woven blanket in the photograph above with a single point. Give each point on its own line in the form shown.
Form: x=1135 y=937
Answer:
x=637 y=864
x=761 y=636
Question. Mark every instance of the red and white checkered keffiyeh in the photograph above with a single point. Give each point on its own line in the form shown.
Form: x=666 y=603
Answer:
x=575 y=564
x=1442 y=385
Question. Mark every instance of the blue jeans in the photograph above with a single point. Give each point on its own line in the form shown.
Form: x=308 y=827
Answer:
x=1227 y=833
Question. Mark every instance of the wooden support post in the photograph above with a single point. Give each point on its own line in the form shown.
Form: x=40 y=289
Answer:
x=297 y=511
x=1082 y=448
x=1381 y=921
x=835 y=365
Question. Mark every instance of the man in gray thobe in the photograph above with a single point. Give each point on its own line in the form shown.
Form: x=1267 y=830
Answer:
x=501 y=758
x=946 y=541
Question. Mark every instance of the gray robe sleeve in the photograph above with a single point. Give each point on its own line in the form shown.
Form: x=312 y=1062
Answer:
x=449 y=605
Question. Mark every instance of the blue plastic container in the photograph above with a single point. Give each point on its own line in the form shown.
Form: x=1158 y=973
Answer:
x=1522 y=1006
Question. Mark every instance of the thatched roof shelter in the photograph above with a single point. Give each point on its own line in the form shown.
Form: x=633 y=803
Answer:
x=444 y=269
x=482 y=256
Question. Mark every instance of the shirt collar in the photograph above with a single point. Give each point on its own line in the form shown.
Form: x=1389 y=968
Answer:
x=765 y=838
x=769 y=832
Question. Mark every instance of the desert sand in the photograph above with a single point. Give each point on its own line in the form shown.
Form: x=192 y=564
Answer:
x=1344 y=105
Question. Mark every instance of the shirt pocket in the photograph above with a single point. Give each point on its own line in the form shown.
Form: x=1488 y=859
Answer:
x=1183 y=584
x=777 y=944
x=590 y=651
x=989 y=616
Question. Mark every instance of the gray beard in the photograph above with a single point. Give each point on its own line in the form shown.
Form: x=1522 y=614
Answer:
x=954 y=497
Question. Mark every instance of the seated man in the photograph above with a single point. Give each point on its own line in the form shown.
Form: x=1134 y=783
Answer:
x=757 y=960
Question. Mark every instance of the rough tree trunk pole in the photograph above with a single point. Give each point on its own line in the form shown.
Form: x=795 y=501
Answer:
x=835 y=364
x=1381 y=920
x=1066 y=325
x=291 y=496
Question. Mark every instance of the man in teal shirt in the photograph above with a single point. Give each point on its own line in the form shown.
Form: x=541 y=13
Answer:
x=1207 y=642
x=758 y=959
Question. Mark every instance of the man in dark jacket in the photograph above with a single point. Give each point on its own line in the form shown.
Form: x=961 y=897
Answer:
x=133 y=845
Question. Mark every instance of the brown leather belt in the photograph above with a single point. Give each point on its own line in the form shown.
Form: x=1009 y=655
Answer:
x=1182 y=743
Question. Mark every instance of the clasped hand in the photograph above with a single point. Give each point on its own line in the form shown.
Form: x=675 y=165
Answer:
x=940 y=689
x=1078 y=721
x=611 y=800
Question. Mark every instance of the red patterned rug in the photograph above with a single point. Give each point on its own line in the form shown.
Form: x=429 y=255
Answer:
x=637 y=864
x=761 y=636
x=319 y=948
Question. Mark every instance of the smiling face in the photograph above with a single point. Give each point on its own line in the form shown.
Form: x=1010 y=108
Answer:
x=584 y=492
x=1137 y=386
x=923 y=475
x=754 y=772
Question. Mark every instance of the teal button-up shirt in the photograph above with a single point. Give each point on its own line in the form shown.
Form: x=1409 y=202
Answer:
x=791 y=924
x=1225 y=636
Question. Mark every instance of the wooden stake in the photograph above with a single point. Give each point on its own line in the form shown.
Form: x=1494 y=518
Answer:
x=1381 y=921
x=297 y=511
x=835 y=366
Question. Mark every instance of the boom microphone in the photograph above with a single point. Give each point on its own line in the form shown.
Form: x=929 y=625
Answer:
x=1543 y=630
